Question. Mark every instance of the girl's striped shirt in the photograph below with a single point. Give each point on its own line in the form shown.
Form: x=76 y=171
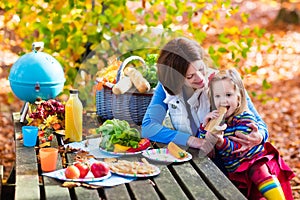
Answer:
x=232 y=161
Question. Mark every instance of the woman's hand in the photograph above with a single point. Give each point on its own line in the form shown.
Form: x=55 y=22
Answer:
x=247 y=141
x=194 y=142
x=199 y=143
x=205 y=145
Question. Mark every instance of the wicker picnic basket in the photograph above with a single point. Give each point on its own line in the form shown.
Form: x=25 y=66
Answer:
x=132 y=105
x=104 y=102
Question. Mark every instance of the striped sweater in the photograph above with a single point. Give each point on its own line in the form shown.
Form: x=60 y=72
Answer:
x=238 y=124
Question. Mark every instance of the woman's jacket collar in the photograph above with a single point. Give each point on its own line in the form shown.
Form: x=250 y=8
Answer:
x=193 y=100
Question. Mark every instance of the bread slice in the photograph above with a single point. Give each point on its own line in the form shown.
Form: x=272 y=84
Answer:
x=213 y=125
x=122 y=86
x=176 y=151
x=141 y=84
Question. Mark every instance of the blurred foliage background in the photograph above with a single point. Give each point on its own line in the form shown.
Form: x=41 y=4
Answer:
x=83 y=34
x=259 y=37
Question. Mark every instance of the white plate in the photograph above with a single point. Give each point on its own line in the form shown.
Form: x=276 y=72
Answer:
x=60 y=174
x=156 y=172
x=121 y=154
x=164 y=155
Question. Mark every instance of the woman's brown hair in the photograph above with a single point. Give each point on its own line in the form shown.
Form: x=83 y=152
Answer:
x=174 y=60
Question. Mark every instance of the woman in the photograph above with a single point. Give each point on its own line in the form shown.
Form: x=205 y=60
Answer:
x=182 y=93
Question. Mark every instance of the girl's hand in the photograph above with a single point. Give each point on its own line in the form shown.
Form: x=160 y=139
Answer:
x=215 y=139
x=212 y=115
x=247 y=141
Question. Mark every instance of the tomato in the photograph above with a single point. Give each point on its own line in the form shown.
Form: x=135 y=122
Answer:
x=50 y=137
x=41 y=133
x=43 y=140
x=99 y=169
x=143 y=144
x=72 y=172
x=83 y=167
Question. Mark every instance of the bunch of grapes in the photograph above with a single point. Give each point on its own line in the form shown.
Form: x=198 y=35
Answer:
x=47 y=108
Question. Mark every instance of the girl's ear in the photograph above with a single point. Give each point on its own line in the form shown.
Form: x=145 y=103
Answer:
x=239 y=101
x=211 y=76
x=211 y=73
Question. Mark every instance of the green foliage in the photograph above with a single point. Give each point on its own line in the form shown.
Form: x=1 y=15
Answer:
x=82 y=35
x=266 y=85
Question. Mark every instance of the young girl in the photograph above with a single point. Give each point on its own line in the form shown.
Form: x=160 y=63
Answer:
x=260 y=172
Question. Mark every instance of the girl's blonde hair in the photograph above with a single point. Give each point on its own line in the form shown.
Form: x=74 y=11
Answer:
x=233 y=75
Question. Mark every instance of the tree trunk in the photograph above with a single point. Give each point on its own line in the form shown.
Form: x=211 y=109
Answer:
x=290 y=16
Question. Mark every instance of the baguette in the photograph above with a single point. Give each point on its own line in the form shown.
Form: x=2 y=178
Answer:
x=141 y=84
x=213 y=126
x=122 y=86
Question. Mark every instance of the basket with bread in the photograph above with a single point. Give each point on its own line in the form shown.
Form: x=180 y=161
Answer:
x=106 y=78
x=132 y=91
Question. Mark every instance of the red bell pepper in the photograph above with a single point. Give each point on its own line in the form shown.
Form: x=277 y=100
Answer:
x=144 y=143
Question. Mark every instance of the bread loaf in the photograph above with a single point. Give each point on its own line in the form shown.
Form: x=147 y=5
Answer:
x=122 y=86
x=141 y=84
x=213 y=126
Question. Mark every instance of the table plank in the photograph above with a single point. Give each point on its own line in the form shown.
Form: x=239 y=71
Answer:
x=84 y=193
x=27 y=187
x=168 y=186
x=27 y=179
x=117 y=192
x=216 y=179
x=143 y=189
x=53 y=190
x=195 y=187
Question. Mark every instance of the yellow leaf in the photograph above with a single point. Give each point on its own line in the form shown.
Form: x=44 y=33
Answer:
x=60 y=4
x=232 y=30
x=204 y=19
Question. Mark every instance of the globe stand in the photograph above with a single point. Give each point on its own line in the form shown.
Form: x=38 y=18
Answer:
x=23 y=112
x=37 y=71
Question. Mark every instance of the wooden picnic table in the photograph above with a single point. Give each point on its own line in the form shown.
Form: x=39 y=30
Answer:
x=198 y=178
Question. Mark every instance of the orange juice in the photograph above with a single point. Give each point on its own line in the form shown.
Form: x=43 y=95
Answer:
x=73 y=117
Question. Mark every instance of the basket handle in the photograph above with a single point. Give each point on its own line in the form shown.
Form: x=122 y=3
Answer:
x=124 y=64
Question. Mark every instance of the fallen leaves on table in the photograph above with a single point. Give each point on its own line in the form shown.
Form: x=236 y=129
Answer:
x=70 y=184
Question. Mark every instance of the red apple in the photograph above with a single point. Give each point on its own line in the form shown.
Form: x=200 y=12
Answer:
x=72 y=172
x=83 y=167
x=99 y=169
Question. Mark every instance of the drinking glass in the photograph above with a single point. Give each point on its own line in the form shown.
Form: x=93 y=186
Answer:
x=30 y=134
x=48 y=158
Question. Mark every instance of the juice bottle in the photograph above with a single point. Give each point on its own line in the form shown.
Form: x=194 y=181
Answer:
x=73 y=117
